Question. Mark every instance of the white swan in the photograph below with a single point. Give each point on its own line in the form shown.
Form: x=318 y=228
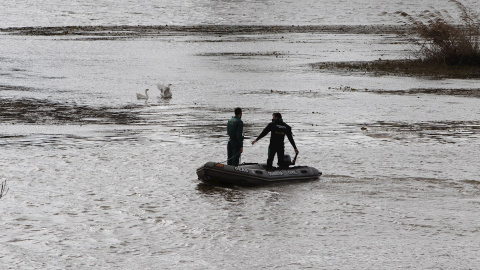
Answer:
x=165 y=90
x=142 y=96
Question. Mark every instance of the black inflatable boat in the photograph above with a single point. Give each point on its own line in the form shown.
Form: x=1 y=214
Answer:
x=251 y=174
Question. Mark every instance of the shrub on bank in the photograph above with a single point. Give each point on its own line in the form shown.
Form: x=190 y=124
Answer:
x=446 y=39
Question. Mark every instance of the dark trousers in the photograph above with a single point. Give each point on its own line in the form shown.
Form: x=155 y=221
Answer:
x=280 y=151
x=233 y=152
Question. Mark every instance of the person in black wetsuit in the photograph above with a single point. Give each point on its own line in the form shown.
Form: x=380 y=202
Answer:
x=278 y=130
x=235 y=143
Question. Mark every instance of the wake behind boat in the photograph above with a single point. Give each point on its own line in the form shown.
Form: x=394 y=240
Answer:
x=252 y=174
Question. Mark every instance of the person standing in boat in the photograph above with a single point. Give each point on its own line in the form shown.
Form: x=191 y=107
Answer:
x=235 y=143
x=278 y=130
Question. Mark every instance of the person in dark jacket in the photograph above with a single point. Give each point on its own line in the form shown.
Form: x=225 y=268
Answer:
x=235 y=143
x=278 y=130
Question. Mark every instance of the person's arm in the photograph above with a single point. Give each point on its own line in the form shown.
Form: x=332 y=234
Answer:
x=290 y=138
x=265 y=131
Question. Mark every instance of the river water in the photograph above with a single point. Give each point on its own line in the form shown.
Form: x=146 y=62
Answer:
x=193 y=12
x=98 y=179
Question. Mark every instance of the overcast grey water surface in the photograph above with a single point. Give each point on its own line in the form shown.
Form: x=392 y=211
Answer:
x=100 y=180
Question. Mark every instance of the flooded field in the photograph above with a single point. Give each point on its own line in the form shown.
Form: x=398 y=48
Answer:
x=99 y=179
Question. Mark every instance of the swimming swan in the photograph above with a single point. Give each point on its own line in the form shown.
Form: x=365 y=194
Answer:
x=142 y=96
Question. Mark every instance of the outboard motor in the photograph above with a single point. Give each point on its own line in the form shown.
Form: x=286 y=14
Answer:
x=287 y=160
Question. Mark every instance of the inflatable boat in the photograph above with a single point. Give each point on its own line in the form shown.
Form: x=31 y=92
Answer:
x=252 y=174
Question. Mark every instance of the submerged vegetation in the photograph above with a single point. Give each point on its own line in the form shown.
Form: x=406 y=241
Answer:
x=3 y=189
x=34 y=111
x=415 y=67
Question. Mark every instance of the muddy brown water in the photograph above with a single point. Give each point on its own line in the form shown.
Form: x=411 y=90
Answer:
x=98 y=179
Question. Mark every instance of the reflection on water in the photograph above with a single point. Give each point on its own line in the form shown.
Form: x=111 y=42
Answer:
x=228 y=193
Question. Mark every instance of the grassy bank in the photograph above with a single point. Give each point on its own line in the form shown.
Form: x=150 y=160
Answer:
x=403 y=68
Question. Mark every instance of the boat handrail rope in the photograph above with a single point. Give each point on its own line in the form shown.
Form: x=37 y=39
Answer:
x=238 y=153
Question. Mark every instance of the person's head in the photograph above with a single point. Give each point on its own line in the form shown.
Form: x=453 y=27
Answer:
x=238 y=112
x=276 y=116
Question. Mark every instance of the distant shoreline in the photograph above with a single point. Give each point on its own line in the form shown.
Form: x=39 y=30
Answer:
x=400 y=67
x=172 y=30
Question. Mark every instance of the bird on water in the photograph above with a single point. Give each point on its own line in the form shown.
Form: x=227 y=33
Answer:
x=165 y=91
x=142 y=96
